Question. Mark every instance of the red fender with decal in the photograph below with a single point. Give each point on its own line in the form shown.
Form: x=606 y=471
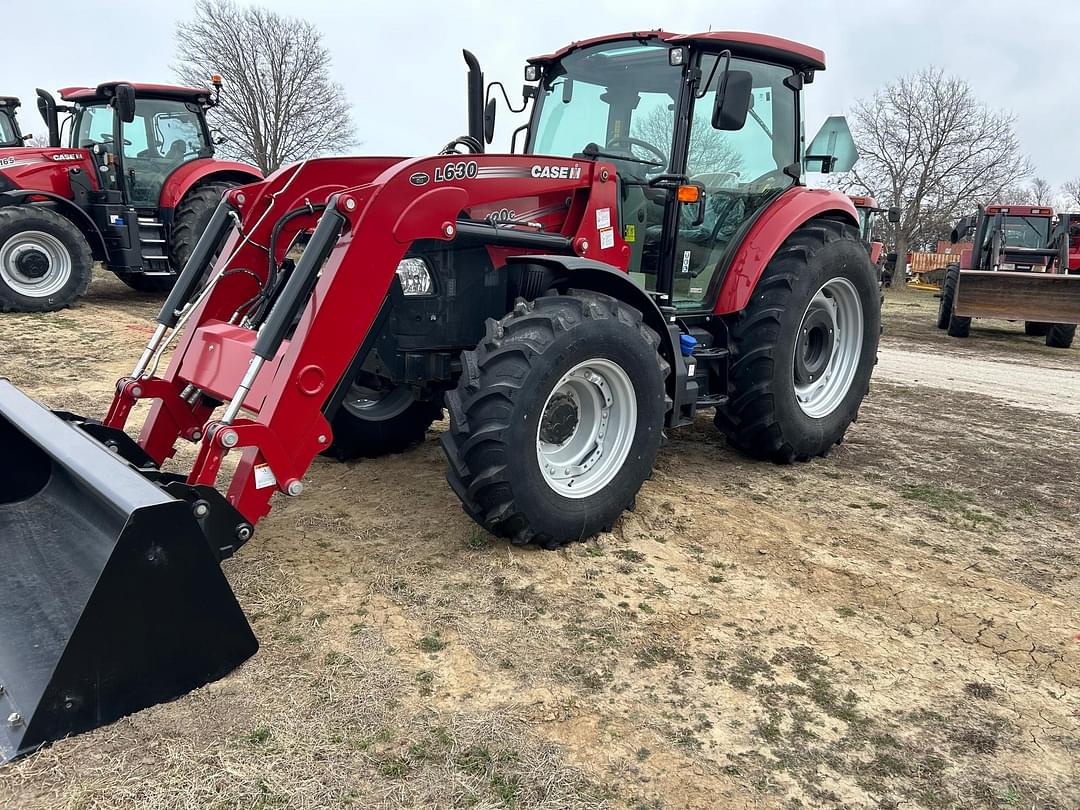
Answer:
x=792 y=209
x=45 y=169
x=184 y=177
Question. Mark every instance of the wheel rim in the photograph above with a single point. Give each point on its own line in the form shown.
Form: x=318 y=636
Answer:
x=828 y=348
x=35 y=264
x=376 y=405
x=586 y=428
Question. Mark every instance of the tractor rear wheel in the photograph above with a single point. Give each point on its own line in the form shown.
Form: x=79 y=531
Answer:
x=948 y=295
x=557 y=417
x=804 y=347
x=45 y=261
x=372 y=423
x=1060 y=335
x=1036 y=328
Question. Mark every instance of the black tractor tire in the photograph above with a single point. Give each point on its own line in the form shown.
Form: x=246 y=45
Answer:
x=764 y=418
x=504 y=401
x=357 y=434
x=948 y=295
x=63 y=238
x=1037 y=328
x=1060 y=335
x=959 y=327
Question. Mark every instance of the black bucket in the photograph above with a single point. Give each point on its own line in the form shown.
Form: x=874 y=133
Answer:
x=111 y=598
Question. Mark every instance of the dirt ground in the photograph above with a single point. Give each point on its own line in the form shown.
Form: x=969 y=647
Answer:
x=896 y=625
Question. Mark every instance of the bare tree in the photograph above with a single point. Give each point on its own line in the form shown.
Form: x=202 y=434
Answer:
x=929 y=146
x=1070 y=191
x=279 y=104
x=1041 y=192
x=710 y=150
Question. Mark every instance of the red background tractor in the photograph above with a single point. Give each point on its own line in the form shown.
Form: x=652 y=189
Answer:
x=10 y=135
x=138 y=209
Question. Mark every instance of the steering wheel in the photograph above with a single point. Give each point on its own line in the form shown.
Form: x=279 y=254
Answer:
x=627 y=142
x=765 y=181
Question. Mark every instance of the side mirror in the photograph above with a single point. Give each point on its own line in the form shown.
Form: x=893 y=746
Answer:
x=733 y=100
x=833 y=148
x=124 y=102
x=894 y=214
x=963 y=227
x=489 y=121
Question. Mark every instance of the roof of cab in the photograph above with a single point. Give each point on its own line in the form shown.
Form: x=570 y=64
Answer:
x=761 y=46
x=106 y=90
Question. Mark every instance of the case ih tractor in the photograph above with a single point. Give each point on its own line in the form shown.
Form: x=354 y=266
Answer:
x=10 y=136
x=138 y=209
x=1020 y=268
x=650 y=254
x=867 y=208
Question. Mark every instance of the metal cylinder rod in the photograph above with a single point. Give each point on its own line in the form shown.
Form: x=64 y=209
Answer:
x=242 y=391
x=148 y=352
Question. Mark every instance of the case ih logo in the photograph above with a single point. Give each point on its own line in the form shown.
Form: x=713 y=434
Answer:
x=556 y=172
x=419 y=179
x=67 y=156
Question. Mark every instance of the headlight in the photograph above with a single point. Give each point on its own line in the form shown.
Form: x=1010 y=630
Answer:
x=415 y=277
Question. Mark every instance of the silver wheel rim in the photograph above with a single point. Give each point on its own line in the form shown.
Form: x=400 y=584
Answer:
x=42 y=247
x=586 y=428
x=377 y=406
x=828 y=348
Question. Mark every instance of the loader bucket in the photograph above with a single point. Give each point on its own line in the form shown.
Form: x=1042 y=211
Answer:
x=111 y=598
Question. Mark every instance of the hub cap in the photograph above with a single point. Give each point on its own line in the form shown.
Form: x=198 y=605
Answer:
x=587 y=428
x=828 y=348
x=35 y=264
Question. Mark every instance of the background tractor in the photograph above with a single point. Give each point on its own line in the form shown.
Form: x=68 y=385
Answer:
x=567 y=305
x=10 y=135
x=132 y=187
x=1020 y=267
x=867 y=209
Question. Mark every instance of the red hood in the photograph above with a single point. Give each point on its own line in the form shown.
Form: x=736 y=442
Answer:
x=43 y=168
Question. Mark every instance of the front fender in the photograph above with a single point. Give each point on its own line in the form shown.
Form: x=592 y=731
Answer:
x=787 y=212
x=189 y=174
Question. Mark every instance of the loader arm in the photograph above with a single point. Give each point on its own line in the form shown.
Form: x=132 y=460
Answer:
x=379 y=210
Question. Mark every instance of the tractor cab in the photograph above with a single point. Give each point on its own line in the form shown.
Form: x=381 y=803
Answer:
x=159 y=128
x=1009 y=238
x=9 y=125
x=705 y=132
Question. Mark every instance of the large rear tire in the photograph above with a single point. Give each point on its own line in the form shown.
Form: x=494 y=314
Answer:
x=45 y=261
x=370 y=424
x=948 y=295
x=1060 y=335
x=804 y=347
x=557 y=417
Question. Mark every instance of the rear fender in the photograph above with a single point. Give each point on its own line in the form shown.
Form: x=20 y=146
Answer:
x=767 y=233
x=79 y=218
x=187 y=175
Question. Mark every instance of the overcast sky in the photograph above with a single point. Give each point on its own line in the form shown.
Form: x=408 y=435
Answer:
x=400 y=62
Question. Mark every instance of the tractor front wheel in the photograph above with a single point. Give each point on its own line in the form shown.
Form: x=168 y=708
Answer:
x=373 y=422
x=45 y=261
x=804 y=347
x=557 y=417
x=948 y=295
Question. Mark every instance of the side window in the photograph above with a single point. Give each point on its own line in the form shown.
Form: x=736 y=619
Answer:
x=135 y=142
x=179 y=134
x=95 y=126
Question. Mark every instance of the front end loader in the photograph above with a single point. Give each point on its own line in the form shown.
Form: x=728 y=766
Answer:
x=649 y=254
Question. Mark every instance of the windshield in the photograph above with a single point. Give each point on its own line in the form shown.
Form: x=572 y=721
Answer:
x=7 y=130
x=620 y=97
x=1029 y=232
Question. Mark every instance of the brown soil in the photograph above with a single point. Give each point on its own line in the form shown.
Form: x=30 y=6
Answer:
x=894 y=625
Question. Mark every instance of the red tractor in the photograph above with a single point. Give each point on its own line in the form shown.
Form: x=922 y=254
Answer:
x=138 y=209
x=867 y=209
x=10 y=136
x=650 y=253
x=1020 y=268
